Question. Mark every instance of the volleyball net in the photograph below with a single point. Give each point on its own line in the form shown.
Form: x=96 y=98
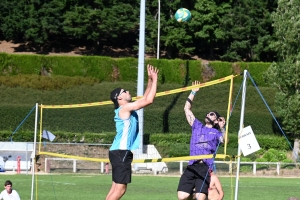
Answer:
x=77 y=121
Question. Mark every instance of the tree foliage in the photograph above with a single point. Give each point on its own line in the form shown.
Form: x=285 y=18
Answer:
x=284 y=74
x=208 y=15
x=44 y=21
x=247 y=27
x=229 y=30
x=13 y=15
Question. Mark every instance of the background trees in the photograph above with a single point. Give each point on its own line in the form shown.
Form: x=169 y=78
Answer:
x=284 y=74
x=248 y=30
x=226 y=30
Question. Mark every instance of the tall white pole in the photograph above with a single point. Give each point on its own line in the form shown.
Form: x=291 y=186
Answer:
x=158 y=29
x=34 y=147
x=141 y=65
x=240 y=131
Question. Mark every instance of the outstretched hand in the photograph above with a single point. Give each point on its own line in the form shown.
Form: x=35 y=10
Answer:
x=196 y=83
x=152 y=72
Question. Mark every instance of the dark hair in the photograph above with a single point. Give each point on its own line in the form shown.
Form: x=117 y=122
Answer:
x=114 y=96
x=217 y=114
x=8 y=182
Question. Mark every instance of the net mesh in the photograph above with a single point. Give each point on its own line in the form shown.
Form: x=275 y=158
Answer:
x=76 y=121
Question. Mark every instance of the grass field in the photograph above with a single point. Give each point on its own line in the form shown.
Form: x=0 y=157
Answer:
x=92 y=187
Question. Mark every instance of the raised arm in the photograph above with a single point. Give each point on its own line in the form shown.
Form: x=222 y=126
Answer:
x=188 y=104
x=150 y=92
x=149 y=84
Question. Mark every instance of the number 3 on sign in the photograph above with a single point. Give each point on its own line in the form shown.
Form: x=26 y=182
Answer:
x=248 y=142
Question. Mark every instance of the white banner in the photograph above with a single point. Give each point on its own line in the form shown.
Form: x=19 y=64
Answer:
x=248 y=142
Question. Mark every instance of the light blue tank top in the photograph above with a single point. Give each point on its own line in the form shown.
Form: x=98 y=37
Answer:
x=127 y=132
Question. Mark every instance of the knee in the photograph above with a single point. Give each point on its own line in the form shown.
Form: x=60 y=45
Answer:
x=121 y=191
x=183 y=195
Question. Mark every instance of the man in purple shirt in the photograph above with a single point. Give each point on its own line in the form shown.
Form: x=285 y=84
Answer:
x=204 y=140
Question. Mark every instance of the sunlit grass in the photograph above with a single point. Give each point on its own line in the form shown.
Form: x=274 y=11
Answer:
x=92 y=187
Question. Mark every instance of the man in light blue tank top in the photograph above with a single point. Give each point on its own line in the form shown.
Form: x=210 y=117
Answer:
x=127 y=128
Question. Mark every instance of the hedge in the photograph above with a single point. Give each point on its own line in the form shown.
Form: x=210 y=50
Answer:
x=125 y=69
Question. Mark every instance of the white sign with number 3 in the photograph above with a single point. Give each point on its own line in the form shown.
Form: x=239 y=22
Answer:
x=248 y=142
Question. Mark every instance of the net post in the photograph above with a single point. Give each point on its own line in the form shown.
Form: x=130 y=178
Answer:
x=34 y=148
x=141 y=63
x=240 y=131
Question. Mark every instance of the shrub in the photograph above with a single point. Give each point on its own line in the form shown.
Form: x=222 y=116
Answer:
x=288 y=166
x=261 y=166
x=273 y=155
x=246 y=167
x=268 y=156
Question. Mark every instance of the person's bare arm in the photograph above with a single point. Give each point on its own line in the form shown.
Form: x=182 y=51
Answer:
x=219 y=188
x=188 y=105
x=150 y=93
x=149 y=84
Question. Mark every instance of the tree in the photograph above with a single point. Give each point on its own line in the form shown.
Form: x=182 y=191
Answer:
x=248 y=30
x=175 y=38
x=207 y=17
x=12 y=19
x=44 y=21
x=284 y=74
x=102 y=22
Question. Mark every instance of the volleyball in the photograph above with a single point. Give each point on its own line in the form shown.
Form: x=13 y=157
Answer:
x=183 y=15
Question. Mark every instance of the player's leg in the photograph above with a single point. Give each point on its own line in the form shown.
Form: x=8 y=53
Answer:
x=202 y=181
x=117 y=191
x=186 y=185
x=121 y=173
x=200 y=196
x=111 y=190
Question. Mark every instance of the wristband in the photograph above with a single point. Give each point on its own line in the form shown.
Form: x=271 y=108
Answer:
x=192 y=92
x=190 y=101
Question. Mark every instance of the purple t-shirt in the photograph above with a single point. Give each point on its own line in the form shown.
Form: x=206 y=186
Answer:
x=204 y=141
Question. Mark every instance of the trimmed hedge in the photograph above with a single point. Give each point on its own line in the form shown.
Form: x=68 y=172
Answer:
x=46 y=83
x=125 y=69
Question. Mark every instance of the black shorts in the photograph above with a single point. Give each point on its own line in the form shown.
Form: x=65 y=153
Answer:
x=121 y=165
x=195 y=176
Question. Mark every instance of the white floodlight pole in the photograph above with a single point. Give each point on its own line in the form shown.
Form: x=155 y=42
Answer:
x=141 y=66
x=34 y=147
x=158 y=29
x=240 y=131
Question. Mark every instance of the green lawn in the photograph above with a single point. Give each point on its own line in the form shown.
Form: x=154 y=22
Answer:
x=86 y=186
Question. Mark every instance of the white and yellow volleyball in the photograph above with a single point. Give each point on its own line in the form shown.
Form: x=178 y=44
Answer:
x=183 y=15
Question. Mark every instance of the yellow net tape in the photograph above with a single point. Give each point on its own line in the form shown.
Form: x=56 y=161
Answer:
x=222 y=156
x=135 y=98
